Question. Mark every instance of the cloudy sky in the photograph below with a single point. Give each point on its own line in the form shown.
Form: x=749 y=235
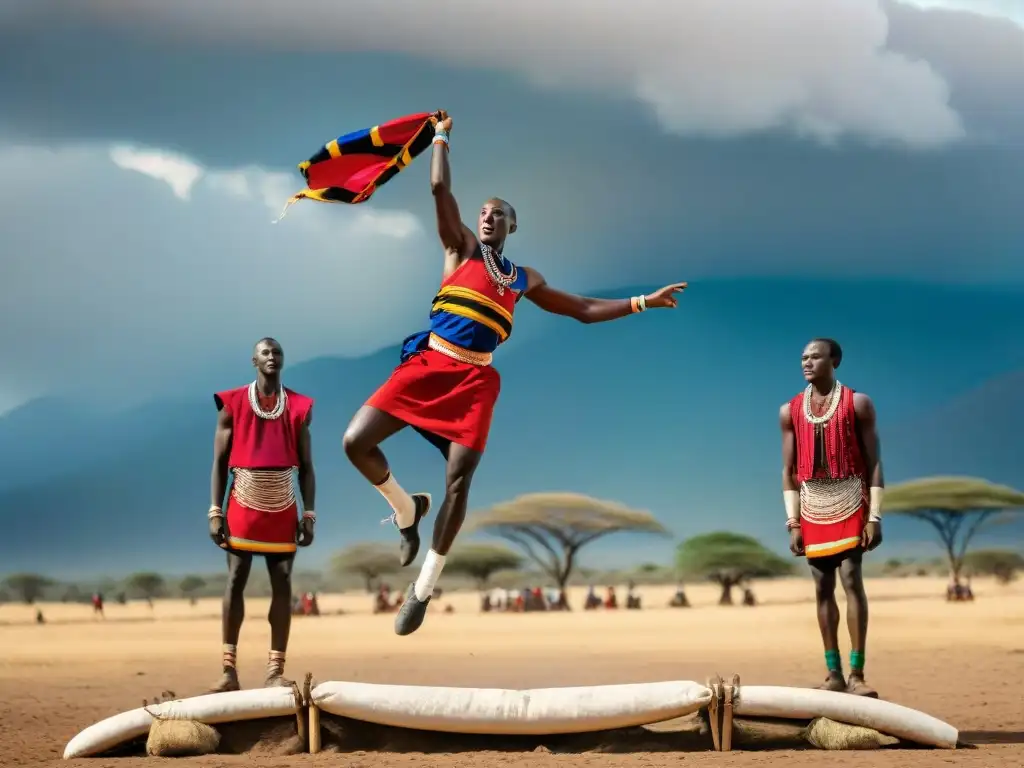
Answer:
x=146 y=147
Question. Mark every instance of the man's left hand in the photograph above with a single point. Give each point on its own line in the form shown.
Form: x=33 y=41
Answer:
x=872 y=536
x=665 y=298
x=304 y=533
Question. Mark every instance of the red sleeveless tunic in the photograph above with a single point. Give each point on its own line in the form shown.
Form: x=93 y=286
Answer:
x=262 y=444
x=842 y=459
x=445 y=399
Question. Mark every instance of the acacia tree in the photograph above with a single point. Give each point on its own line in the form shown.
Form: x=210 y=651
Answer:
x=552 y=528
x=147 y=584
x=728 y=559
x=481 y=561
x=369 y=559
x=28 y=586
x=190 y=585
x=1003 y=564
x=956 y=507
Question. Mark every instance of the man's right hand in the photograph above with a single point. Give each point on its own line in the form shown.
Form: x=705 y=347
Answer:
x=218 y=534
x=796 y=542
x=444 y=122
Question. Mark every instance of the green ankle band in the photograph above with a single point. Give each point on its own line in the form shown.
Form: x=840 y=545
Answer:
x=857 y=660
x=833 y=662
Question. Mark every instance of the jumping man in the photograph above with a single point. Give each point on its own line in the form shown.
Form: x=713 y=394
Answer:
x=832 y=486
x=262 y=436
x=445 y=387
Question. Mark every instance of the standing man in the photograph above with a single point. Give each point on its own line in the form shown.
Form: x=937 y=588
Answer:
x=832 y=486
x=262 y=436
x=445 y=387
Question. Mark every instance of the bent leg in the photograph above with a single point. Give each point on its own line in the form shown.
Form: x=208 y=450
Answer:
x=232 y=616
x=852 y=575
x=368 y=429
x=279 y=567
x=462 y=464
x=824 y=572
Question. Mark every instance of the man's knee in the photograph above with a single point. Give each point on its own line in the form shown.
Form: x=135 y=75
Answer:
x=824 y=583
x=460 y=470
x=280 y=572
x=852 y=576
x=238 y=574
x=353 y=441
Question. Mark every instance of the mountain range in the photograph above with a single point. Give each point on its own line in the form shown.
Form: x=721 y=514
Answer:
x=674 y=412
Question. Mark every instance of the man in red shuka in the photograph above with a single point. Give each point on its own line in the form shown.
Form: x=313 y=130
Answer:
x=832 y=486
x=262 y=436
x=445 y=387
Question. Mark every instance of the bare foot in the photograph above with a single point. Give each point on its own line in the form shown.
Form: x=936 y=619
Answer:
x=228 y=682
x=834 y=682
x=858 y=687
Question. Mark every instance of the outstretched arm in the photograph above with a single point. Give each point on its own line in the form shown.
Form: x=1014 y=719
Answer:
x=307 y=476
x=449 y=222
x=221 y=452
x=590 y=310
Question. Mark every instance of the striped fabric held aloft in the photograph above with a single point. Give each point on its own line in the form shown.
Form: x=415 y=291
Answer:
x=352 y=167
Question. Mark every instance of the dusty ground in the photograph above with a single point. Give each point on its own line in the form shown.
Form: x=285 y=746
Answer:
x=962 y=663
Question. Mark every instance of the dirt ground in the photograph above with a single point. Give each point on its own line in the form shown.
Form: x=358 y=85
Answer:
x=962 y=663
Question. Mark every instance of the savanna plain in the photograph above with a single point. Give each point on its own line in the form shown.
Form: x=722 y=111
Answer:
x=962 y=662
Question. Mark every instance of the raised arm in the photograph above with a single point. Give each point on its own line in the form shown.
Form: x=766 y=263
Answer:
x=449 y=222
x=221 y=452
x=590 y=310
x=307 y=475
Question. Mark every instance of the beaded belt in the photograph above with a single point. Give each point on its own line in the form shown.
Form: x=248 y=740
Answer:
x=456 y=352
x=265 y=490
x=824 y=500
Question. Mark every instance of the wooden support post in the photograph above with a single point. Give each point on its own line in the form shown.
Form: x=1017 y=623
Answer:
x=729 y=694
x=314 y=728
x=715 y=711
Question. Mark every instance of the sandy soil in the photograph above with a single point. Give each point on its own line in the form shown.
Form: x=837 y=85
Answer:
x=962 y=663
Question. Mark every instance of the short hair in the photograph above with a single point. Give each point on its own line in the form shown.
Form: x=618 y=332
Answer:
x=834 y=350
x=267 y=340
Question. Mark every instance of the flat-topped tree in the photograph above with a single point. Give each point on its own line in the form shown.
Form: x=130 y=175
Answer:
x=956 y=507
x=728 y=559
x=552 y=528
x=29 y=587
x=481 y=561
x=368 y=559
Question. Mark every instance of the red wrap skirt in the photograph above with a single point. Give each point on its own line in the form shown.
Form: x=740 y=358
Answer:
x=442 y=396
x=823 y=540
x=261 y=533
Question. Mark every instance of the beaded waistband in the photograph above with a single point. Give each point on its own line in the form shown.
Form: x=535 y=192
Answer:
x=265 y=490
x=825 y=500
x=456 y=352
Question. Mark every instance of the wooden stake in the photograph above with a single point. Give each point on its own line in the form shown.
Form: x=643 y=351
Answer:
x=314 y=729
x=715 y=711
x=729 y=694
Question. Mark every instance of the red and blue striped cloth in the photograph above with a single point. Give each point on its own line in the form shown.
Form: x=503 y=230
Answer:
x=350 y=168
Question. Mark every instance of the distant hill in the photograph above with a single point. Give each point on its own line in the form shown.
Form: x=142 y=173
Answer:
x=671 y=412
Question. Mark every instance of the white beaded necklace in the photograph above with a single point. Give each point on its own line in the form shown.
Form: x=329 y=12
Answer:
x=500 y=280
x=254 y=403
x=833 y=405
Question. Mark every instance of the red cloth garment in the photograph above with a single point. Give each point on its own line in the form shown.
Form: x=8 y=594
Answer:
x=442 y=396
x=262 y=533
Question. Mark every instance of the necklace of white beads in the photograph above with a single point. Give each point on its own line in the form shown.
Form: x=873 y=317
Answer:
x=833 y=398
x=500 y=280
x=275 y=413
